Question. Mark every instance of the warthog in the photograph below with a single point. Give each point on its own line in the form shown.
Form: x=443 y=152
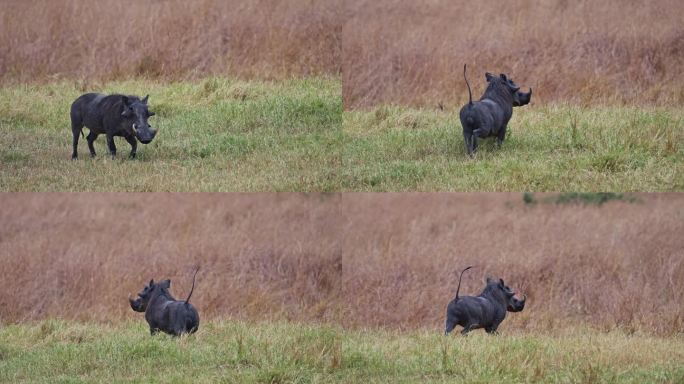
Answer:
x=113 y=115
x=486 y=311
x=490 y=115
x=163 y=312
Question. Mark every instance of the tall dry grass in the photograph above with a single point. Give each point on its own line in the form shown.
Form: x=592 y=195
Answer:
x=618 y=265
x=583 y=51
x=174 y=39
x=360 y=260
x=79 y=255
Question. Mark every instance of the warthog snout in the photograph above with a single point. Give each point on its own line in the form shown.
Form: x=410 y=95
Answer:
x=522 y=98
x=137 y=304
x=516 y=305
x=144 y=135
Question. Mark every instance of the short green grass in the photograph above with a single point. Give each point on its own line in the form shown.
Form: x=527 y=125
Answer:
x=221 y=134
x=573 y=356
x=235 y=351
x=216 y=134
x=548 y=148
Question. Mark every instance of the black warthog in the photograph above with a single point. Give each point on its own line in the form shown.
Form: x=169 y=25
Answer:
x=486 y=311
x=490 y=115
x=113 y=115
x=163 y=312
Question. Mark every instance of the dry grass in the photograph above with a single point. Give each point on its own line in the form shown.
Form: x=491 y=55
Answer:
x=360 y=260
x=618 y=265
x=78 y=256
x=584 y=51
x=177 y=39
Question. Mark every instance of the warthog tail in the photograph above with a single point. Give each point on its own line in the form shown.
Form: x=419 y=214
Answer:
x=193 y=285
x=459 y=280
x=470 y=95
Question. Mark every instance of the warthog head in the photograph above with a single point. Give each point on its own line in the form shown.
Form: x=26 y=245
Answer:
x=503 y=293
x=519 y=98
x=136 y=114
x=140 y=304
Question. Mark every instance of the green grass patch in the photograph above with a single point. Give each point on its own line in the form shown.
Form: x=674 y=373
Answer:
x=216 y=134
x=56 y=351
x=220 y=134
x=234 y=351
x=548 y=148
x=576 y=356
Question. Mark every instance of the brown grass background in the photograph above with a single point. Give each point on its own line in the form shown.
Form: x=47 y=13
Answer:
x=173 y=39
x=581 y=51
x=618 y=265
x=361 y=260
x=79 y=255
x=388 y=51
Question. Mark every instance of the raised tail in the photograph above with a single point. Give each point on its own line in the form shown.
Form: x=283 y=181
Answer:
x=193 y=285
x=470 y=95
x=459 y=280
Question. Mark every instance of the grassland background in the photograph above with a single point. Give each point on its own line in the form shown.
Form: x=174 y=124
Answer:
x=606 y=112
x=359 y=260
x=619 y=265
x=47 y=40
x=583 y=52
x=79 y=255
x=340 y=287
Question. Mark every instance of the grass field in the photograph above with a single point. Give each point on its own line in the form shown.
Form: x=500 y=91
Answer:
x=232 y=351
x=228 y=135
x=217 y=134
x=548 y=148
x=55 y=351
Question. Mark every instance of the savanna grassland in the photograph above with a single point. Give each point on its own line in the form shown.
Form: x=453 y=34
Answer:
x=262 y=256
x=583 y=52
x=247 y=93
x=342 y=287
x=47 y=40
x=258 y=352
x=557 y=147
x=216 y=134
x=606 y=110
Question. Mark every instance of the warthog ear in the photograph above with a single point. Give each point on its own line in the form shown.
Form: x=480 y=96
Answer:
x=489 y=76
x=165 y=283
x=501 y=283
x=151 y=114
x=151 y=282
x=144 y=101
x=503 y=77
x=126 y=104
